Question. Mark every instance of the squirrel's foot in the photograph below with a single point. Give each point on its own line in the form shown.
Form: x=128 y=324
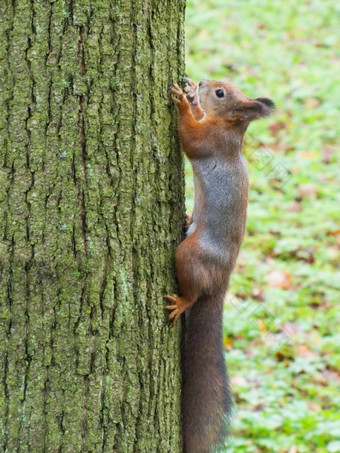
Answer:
x=179 y=99
x=179 y=305
x=190 y=90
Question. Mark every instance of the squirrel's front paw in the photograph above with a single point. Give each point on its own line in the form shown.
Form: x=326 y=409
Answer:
x=179 y=99
x=191 y=90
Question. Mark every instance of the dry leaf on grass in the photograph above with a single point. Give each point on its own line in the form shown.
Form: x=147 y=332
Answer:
x=279 y=279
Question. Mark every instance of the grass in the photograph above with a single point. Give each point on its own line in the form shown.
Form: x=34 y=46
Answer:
x=281 y=318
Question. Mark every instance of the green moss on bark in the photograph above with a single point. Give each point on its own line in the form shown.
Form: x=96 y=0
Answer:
x=91 y=208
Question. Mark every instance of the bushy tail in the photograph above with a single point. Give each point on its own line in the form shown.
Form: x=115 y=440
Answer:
x=207 y=403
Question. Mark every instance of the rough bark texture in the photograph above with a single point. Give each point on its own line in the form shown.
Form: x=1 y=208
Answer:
x=91 y=210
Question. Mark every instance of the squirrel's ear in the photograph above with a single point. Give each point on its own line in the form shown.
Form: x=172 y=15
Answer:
x=268 y=106
x=254 y=109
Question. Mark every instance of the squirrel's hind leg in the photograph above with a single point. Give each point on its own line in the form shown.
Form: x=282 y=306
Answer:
x=178 y=306
x=191 y=276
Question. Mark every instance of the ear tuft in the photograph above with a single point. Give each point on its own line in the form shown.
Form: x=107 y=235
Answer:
x=268 y=106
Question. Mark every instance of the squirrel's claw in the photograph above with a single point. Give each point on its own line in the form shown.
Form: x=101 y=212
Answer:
x=177 y=307
x=179 y=99
x=174 y=308
x=190 y=90
x=173 y=299
x=177 y=90
x=188 y=81
x=174 y=315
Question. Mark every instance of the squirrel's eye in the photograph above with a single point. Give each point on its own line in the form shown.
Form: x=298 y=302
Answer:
x=219 y=93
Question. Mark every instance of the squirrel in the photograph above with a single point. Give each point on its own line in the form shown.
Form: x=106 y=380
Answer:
x=212 y=124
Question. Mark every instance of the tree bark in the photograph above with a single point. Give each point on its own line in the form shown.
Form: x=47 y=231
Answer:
x=91 y=209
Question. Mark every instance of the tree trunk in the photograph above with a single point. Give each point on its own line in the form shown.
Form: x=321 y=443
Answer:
x=91 y=209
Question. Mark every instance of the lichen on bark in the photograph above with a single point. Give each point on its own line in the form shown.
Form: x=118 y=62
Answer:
x=91 y=209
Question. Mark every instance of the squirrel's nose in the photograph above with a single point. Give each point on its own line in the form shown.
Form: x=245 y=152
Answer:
x=202 y=82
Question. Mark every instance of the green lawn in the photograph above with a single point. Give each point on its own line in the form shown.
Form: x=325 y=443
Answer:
x=282 y=323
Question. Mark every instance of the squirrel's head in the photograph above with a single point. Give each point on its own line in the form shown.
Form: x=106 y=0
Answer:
x=223 y=100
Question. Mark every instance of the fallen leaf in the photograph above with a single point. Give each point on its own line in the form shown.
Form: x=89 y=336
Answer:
x=320 y=379
x=293 y=449
x=240 y=381
x=228 y=343
x=257 y=293
x=307 y=190
x=203 y=34
x=262 y=326
x=295 y=207
x=334 y=233
x=331 y=375
x=279 y=279
x=314 y=407
x=311 y=103
x=285 y=353
x=306 y=155
x=295 y=169
x=327 y=153
x=303 y=350
x=275 y=127
x=291 y=328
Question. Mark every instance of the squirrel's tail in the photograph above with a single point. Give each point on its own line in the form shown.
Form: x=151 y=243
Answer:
x=207 y=403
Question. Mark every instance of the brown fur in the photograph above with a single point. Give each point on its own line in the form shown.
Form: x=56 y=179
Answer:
x=211 y=132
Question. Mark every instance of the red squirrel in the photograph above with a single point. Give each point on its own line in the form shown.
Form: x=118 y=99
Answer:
x=212 y=124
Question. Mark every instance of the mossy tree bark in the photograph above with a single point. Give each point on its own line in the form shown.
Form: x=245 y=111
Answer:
x=91 y=209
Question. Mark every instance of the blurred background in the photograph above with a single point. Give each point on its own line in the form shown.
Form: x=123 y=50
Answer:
x=281 y=324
